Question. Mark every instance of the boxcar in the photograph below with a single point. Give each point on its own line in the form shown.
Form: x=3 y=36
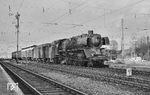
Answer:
x=14 y=55
x=19 y=55
x=53 y=51
x=35 y=53
x=28 y=52
x=45 y=49
x=43 y=52
x=40 y=52
x=23 y=54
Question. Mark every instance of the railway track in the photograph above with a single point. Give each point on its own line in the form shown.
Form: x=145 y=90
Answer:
x=118 y=79
x=38 y=84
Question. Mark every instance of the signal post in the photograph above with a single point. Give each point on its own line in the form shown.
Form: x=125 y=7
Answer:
x=17 y=27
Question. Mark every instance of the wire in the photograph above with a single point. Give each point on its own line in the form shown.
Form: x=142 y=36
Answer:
x=48 y=23
x=83 y=23
x=130 y=5
x=67 y=12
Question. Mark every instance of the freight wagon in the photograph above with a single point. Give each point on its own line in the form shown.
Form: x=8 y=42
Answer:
x=27 y=53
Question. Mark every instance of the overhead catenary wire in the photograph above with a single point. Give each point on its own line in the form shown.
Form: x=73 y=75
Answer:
x=60 y=17
x=74 y=8
x=74 y=25
x=116 y=10
x=54 y=20
x=108 y=13
x=49 y=23
x=113 y=11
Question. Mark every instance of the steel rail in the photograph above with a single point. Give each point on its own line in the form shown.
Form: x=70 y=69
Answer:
x=51 y=81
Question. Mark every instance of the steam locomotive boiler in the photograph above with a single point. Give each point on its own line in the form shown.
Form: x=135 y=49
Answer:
x=81 y=50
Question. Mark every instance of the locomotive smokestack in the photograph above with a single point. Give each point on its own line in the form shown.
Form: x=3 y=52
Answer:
x=90 y=32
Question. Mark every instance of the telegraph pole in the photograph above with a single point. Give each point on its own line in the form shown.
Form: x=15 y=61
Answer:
x=17 y=27
x=122 y=37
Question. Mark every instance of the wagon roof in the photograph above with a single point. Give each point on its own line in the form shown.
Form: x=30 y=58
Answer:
x=29 y=47
x=44 y=44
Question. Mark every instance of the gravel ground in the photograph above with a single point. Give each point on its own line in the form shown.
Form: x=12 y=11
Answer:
x=97 y=71
x=87 y=85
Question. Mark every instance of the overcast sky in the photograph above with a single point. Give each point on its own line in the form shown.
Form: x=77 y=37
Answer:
x=43 y=21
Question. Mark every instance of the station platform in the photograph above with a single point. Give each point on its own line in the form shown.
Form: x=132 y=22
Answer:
x=5 y=82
